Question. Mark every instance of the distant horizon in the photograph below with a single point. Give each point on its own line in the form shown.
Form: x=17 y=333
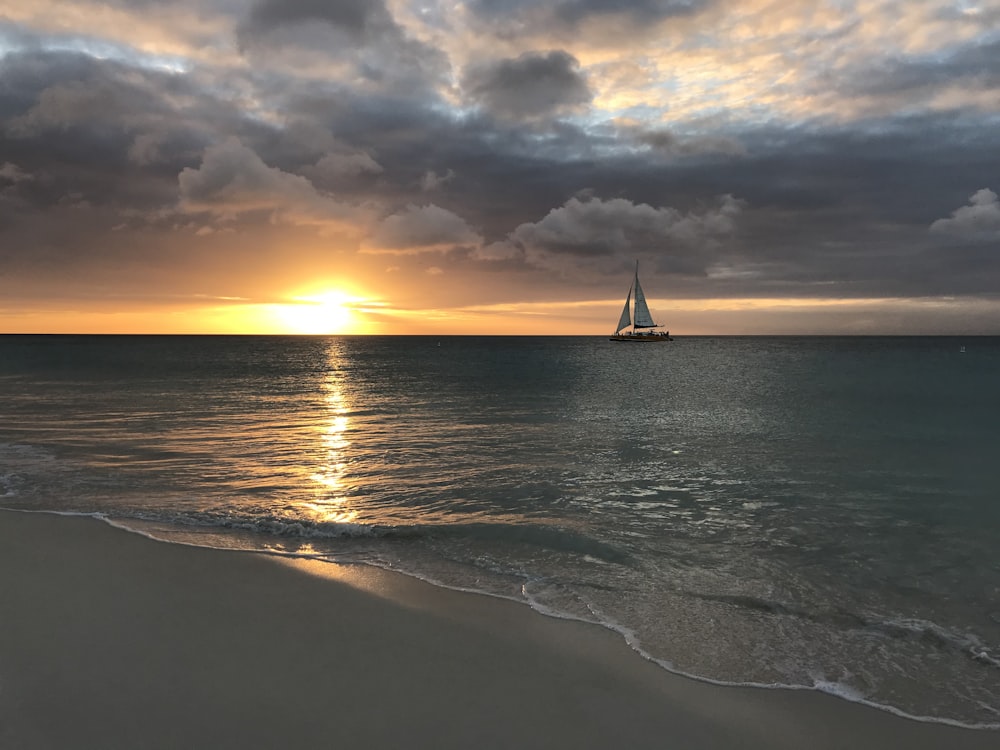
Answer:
x=334 y=313
x=515 y=335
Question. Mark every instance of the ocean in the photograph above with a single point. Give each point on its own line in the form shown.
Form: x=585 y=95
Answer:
x=808 y=512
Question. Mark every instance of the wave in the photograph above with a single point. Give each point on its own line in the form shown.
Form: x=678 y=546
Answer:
x=550 y=537
x=938 y=637
x=818 y=683
x=927 y=633
x=835 y=616
x=284 y=527
x=547 y=537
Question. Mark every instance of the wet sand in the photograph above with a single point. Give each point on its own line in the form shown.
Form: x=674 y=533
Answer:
x=110 y=640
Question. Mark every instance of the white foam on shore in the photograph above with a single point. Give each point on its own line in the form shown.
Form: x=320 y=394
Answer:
x=830 y=687
x=820 y=684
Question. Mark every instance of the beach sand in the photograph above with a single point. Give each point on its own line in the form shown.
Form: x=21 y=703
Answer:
x=110 y=640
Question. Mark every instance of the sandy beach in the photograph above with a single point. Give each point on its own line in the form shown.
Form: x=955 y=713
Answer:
x=111 y=640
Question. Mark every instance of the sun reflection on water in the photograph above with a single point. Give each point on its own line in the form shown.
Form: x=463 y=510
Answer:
x=331 y=504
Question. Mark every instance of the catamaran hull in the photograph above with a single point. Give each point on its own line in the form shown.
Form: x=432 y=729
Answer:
x=642 y=338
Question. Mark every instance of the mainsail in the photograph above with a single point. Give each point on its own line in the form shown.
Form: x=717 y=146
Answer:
x=642 y=317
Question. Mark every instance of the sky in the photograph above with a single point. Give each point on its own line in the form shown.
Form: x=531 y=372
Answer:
x=499 y=166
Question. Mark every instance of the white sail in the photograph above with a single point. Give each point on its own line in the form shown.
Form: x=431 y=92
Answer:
x=642 y=317
x=625 y=321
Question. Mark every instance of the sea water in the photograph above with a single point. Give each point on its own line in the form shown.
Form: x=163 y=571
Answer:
x=820 y=513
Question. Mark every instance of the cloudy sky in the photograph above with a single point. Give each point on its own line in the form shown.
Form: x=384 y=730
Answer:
x=498 y=166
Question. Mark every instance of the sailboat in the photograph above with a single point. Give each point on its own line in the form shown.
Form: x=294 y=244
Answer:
x=641 y=322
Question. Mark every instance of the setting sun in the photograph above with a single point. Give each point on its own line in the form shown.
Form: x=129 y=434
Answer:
x=325 y=313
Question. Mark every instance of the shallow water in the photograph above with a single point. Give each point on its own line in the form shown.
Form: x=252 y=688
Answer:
x=816 y=512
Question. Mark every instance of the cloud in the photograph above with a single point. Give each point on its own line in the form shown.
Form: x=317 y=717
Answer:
x=851 y=132
x=666 y=142
x=357 y=18
x=232 y=179
x=12 y=173
x=433 y=181
x=344 y=165
x=419 y=228
x=639 y=11
x=103 y=103
x=565 y=17
x=904 y=74
x=344 y=40
x=979 y=220
x=593 y=228
x=531 y=86
x=94 y=111
x=69 y=92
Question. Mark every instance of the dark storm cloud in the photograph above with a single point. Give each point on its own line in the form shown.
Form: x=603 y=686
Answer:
x=358 y=18
x=497 y=176
x=977 y=65
x=842 y=210
x=66 y=108
x=839 y=212
x=65 y=119
x=318 y=38
x=669 y=143
x=641 y=11
x=533 y=85
x=848 y=210
x=572 y=12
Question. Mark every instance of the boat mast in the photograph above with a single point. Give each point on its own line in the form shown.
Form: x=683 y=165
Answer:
x=635 y=302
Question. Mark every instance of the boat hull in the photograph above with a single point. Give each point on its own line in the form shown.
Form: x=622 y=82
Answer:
x=641 y=338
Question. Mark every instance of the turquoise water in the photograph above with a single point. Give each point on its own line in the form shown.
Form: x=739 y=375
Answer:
x=813 y=512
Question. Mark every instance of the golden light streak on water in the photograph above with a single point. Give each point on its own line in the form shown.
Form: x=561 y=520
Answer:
x=331 y=504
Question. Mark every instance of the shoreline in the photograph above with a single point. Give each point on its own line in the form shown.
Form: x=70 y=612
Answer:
x=111 y=639
x=322 y=568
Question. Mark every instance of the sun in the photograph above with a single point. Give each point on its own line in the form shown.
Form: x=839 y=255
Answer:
x=324 y=313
